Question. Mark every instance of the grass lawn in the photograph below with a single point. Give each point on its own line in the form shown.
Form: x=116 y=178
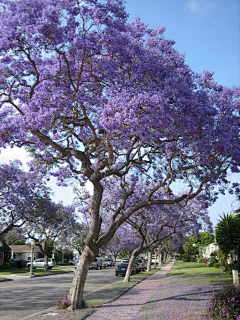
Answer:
x=209 y=275
x=95 y=299
x=38 y=271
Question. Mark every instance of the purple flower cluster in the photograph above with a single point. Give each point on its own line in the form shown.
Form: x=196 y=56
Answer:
x=63 y=303
x=225 y=303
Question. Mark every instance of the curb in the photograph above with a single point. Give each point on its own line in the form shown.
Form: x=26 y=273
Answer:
x=51 y=309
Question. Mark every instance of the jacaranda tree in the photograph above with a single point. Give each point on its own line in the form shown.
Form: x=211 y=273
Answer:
x=21 y=196
x=52 y=222
x=94 y=97
x=155 y=225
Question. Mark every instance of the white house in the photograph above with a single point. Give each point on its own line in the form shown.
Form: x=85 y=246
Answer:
x=210 y=248
x=22 y=251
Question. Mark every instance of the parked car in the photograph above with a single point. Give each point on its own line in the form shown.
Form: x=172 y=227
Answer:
x=102 y=259
x=18 y=263
x=39 y=263
x=96 y=264
x=141 y=263
x=109 y=262
x=121 y=269
x=154 y=261
x=125 y=260
x=71 y=262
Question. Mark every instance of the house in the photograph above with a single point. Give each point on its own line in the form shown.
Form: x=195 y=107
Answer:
x=22 y=251
x=210 y=248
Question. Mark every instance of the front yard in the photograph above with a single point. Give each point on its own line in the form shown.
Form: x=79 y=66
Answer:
x=37 y=272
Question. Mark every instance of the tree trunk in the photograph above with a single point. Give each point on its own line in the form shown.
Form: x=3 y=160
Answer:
x=149 y=268
x=135 y=253
x=160 y=259
x=164 y=256
x=75 y=295
x=155 y=258
x=129 y=269
x=45 y=262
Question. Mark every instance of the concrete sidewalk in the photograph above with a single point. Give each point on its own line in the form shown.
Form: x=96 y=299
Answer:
x=129 y=304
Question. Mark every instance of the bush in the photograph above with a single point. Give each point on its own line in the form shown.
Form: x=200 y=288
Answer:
x=5 y=265
x=216 y=265
x=185 y=257
x=211 y=264
x=63 y=303
x=225 y=303
x=201 y=260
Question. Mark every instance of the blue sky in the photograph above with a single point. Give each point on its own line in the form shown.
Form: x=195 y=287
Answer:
x=208 y=32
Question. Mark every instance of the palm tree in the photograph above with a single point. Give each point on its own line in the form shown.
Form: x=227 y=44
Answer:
x=228 y=232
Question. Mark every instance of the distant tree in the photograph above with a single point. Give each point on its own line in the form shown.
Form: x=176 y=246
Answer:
x=189 y=253
x=203 y=239
x=20 y=195
x=14 y=237
x=54 y=221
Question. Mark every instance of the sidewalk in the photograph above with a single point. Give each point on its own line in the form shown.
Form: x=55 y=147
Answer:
x=177 y=297
x=129 y=304
x=160 y=298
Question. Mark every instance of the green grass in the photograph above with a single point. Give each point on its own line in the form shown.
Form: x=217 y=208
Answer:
x=116 y=289
x=210 y=275
x=95 y=299
x=38 y=271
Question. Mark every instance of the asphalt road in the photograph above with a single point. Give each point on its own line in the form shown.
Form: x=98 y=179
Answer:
x=22 y=298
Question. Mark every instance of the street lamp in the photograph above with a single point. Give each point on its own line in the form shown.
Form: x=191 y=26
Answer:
x=234 y=255
x=31 y=273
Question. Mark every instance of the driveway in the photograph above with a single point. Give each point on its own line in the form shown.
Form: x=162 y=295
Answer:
x=24 y=297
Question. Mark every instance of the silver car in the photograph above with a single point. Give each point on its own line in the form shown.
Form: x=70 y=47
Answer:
x=39 y=263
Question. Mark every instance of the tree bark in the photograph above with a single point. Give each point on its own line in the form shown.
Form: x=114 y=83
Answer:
x=129 y=269
x=75 y=295
x=155 y=258
x=159 y=259
x=149 y=267
x=135 y=253
x=45 y=262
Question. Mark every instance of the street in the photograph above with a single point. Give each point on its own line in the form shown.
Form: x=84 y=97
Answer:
x=22 y=298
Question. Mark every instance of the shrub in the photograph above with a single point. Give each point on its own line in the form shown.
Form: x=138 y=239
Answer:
x=185 y=257
x=216 y=265
x=225 y=303
x=201 y=260
x=5 y=265
x=63 y=303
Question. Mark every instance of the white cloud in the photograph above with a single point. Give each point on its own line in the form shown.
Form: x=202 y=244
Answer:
x=201 y=7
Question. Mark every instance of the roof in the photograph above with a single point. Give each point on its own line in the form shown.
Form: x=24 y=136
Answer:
x=23 y=248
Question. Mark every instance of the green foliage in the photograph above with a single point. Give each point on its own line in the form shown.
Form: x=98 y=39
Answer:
x=228 y=232
x=5 y=265
x=190 y=252
x=63 y=303
x=216 y=265
x=205 y=239
x=6 y=250
x=50 y=247
x=225 y=303
x=58 y=255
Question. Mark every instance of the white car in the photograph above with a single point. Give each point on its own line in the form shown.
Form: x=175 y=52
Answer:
x=39 y=263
